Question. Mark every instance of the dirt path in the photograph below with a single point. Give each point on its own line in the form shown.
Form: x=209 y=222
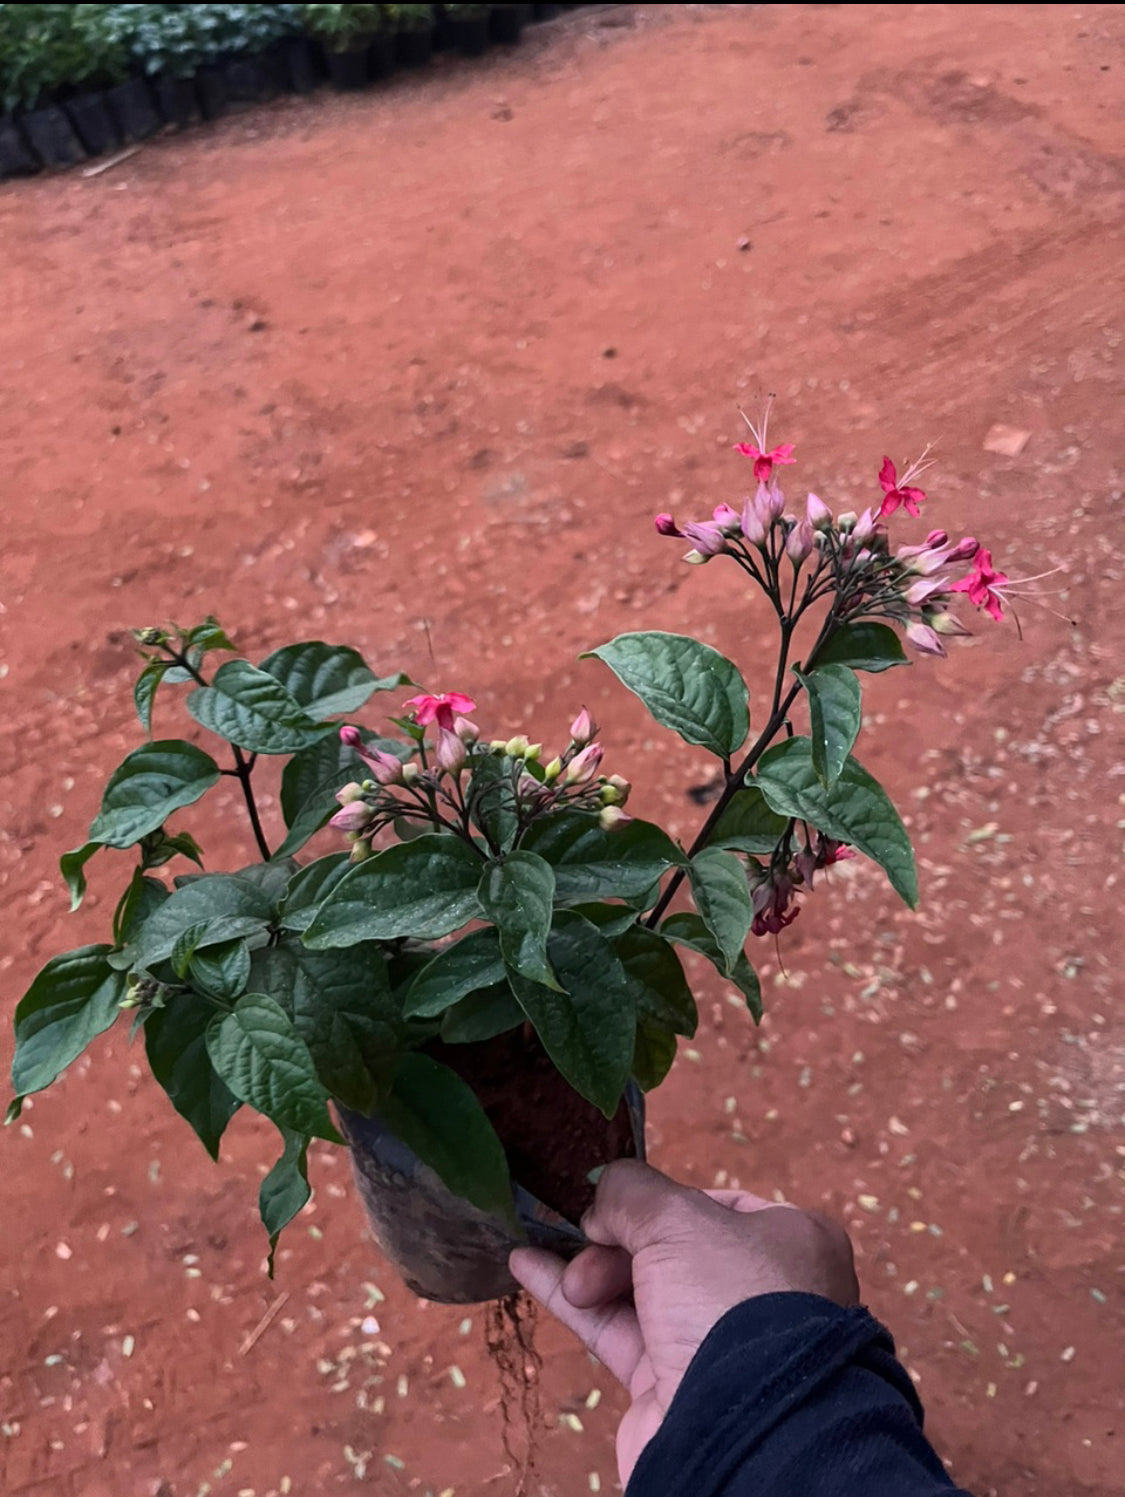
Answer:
x=339 y=366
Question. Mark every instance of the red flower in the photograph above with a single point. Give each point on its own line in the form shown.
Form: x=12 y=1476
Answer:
x=440 y=708
x=983 y=584
x=910 y=498
x=764 y=461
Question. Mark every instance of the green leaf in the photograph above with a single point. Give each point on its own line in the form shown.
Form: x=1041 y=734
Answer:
x=231 y=906
x=141 y=898
x=160 y=847
x=611 y=919
x=176 y=1046
x=656 y=978
x=147 y=786
x=285 y=1190
x=341 y=1006
x=687 y=929
x=72 y=865
x=492 y=799
x=685 y=684
x=207 y=636
x=309 y=887
x=326 y=679
x=271 y=879
x=72 y=1000
x=722 y=897
x=654 y=1051
x=517 y=895
x=481 y=1016
x=747 y=824
x=425 y=888
x=310 y=780
x=589 y=1028
x=835 y=714
x=864 y=646
x=437 y=1115
x=222 y=969
x=855 y=809
x=251 y=708
x=144 y=692
x=591 y=863
x=472 y=963
x=261 y=1057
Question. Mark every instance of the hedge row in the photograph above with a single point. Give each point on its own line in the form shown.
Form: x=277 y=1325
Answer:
x=80 y=80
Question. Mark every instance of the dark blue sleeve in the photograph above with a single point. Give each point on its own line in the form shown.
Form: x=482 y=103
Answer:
x=792 y=1396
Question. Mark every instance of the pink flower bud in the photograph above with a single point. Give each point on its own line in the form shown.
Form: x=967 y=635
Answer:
x=450 y=754
x=348 y=793
x=923 y=638
x=937 y=538
x=924 y=589
x=944 y=622
x=351 y=736
x=582 y=729
x=584 y=766
x=467 y=731
x=817 y=513
x=799 y=542
x=621 y=785
x=611 y=817
x=665 y=525
x=385 y=768
x=865 y=528
x=965 y=549
x=707 y=537
x=771 y=501
x=727 y=519
x=754 y=525
x=352 y=818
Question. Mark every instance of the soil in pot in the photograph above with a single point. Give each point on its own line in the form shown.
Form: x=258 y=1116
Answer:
x=133 y=108
x=93 y=123
x=301 y=63
x=348 y=69
x=505 y=22
x=381 y=55
x=413 y=49
x=16 y=157
x=470 y=34
x=52 y=137
x=212 y=93
x=178 y=100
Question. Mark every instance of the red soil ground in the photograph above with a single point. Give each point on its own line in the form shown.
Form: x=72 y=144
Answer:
x=418 y=366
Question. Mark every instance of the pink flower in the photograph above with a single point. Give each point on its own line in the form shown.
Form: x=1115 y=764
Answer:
x=923 y=638
x=771 y=900
x=910 y=498
x=582 y=729
x=831 y=852
x=666 y=525
x=707 y=537
x=727 y=519
x=440 y=708
x=982 y=584
x=764 y=461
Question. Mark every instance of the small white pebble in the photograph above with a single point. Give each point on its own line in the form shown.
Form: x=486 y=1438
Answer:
x=63 y=1251
x=571 y=1421
x=594 y=1482
x=593 y=1398
x=370 y=1326
x=1067 y=1355
x=457 y=1377
x=128 y=1346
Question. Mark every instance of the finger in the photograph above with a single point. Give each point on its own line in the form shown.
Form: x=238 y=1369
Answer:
x=610 y=1332
x=740 y=1200
x=598 y=1276
x=635 y=1205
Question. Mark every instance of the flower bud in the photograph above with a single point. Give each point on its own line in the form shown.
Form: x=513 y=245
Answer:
x=611 y=817
x=621 y=785
x=517 y=747
x=944 y=622
x=923 y=638
x=924 y=589
x=450 y=754
x=937 y=538
x=707 y=537
x=467 y=731
x=754 y=526
x=552 y=771
x=865 y=528
x=965 y=549
x=498 y=745
x=582 y=729
x=817 y=513
x=351 y=818
x=584 y=766
x=665 y=525
x=846 y=522
x=771 y=500
x=360 y=852
x=726 y=519
x=411 y=774
x=695 y=558
x=348 y=793
x=386 y=769
x=799 y=542
x=351 y=736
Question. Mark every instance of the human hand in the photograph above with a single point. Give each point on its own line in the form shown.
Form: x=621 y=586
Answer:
x=665 y=1264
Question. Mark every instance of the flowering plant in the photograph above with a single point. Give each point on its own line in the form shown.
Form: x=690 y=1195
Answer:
x=487 y=885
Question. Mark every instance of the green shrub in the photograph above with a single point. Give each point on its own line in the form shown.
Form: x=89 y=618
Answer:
x=49 y=51
x=342 y=27
x=410 y=17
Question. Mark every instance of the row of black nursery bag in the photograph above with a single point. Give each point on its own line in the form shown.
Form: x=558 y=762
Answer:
x=84 y=80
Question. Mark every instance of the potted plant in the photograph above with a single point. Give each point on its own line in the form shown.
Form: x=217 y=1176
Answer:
x=468 y=28
x=506 y=22
x=37 y=57
x=346 y=33
x=248 y=42
x=413 y=27
x=16 y=157
x=486 y=975
x=165 y=44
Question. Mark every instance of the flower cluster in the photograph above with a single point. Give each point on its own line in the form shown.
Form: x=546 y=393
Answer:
x=466 y=786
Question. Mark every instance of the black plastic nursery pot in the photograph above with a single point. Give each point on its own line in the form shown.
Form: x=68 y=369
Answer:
x=469 y=34
x=348 y=70
x=177 y=99
x=211 y=90
x=16 y=157
x=93 y=123
x=248 y=79
x=381 y=55
x=300 y=62
x=413 y=49
x=506 y=22
x=134 y=109
x=444 y=1247
x=51 y=136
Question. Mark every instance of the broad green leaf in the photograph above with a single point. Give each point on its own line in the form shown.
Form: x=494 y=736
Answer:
x=72 y=865
x=176 y=1046
x=747 y=824
x=591 y=863
x=161 y=847
x=231 y=907
x=272 y=878
x=251 y=708
x=654 y=1050
x=222 y=970
x=492 y=799
x=147 y=786
x=72 y=1000
x=589 y=1028
x=685 y=684
x=611 y=919
x=326 y=679
x=308 y=887
x=285 y=1190
x=310 y=780
x=424 y=888
x=687 y=929
x=437 y=1115
x=517 y=895
x=864 y=646
x=835 y=713
x=474 y=962
x=208 y=636
x=660 y=989
x=261 y=1057
x=144 y=692
x=481 y=1015
x=855 y=809
x=141 y=898
x=722 y=897
x=341 y=1006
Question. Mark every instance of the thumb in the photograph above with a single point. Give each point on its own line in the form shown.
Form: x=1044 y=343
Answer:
x=636 y=1206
